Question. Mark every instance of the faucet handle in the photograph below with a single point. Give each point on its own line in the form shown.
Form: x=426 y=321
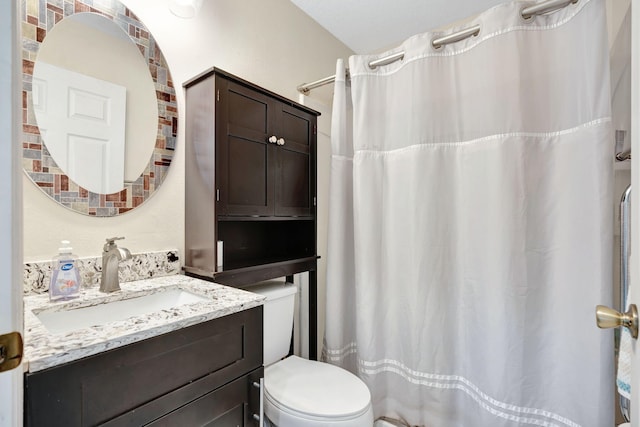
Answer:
x=111 y=242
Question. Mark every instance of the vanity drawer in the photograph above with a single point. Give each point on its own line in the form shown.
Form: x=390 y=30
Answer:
x=233 y=404
x=140 y=382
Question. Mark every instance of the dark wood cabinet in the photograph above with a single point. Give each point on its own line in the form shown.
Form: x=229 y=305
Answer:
x=203 y=373
x=295 y=185
x=250 y=185
x=264 y=154
x=244 y=157
x=233 y=404
x=250 y=182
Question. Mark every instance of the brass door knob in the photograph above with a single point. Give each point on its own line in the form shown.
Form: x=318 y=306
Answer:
x=609 y=318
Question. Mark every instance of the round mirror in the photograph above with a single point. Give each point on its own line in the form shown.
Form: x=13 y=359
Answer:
x=100 y=118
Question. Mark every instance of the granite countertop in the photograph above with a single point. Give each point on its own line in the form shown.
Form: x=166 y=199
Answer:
x=44 y=349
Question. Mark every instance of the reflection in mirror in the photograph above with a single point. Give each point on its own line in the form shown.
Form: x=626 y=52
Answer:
x=94 y=104
x=100 y=118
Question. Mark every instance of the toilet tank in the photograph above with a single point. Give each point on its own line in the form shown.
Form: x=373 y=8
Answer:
x=278 y=313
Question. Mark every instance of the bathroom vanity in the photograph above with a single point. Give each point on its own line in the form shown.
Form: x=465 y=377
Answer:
x=191 y=364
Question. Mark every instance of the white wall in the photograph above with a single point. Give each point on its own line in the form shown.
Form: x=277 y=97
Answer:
x=270 y=43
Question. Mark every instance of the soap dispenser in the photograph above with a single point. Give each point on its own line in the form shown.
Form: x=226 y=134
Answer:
x=65 y=277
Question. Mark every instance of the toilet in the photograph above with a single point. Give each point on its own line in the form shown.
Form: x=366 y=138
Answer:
x=300 y=392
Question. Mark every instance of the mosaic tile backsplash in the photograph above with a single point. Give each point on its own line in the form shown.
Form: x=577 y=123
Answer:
x=141 y=266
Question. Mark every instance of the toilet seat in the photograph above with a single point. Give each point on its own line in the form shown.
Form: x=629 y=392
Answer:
x=300 y=392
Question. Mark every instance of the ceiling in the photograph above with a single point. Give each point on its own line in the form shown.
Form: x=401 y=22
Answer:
x=368 y=26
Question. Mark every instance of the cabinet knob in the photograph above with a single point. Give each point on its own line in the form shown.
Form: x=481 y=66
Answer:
x=280 y=141
x=273 y=139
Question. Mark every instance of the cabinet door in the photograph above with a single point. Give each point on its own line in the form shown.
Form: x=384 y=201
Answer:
x=244 y=177
x=295 y=163
x=231 y=405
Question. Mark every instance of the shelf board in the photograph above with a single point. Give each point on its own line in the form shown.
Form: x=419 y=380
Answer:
x=244 y=276
x=264 y=218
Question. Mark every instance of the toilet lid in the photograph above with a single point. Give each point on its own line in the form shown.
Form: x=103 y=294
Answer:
x=316 y=389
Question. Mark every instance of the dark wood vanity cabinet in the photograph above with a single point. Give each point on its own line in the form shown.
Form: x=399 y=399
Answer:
x=250 y=182
x=199 y=375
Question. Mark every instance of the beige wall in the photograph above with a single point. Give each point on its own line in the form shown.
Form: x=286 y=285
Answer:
x=616 y=10
x=271 y=43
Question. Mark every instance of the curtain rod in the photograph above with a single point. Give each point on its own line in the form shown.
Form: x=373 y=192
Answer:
x=527 y=13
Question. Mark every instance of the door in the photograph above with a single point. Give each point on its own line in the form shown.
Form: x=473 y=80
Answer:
x=295 y=173
x=82 y=121
x=265 y=154
x=244 y=154
x=11 y=206
x=635 y=212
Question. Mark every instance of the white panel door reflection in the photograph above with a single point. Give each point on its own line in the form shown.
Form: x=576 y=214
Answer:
x=82 y=122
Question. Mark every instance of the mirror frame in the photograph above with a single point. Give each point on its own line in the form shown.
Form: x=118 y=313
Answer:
x=39 y=17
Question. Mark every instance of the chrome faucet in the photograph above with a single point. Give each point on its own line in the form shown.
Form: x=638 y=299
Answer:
x=111 y=257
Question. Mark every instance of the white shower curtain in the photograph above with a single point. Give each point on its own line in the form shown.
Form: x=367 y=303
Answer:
x=470 y=230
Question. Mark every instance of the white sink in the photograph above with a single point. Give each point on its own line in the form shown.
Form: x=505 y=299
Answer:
x=84 y=317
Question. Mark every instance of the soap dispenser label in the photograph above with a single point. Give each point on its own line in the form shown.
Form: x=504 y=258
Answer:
x=65 y=282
